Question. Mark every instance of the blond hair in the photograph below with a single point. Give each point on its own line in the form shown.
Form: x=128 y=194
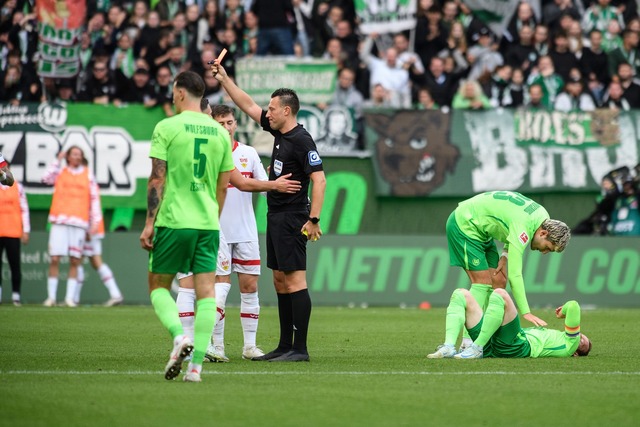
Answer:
x=559 y=233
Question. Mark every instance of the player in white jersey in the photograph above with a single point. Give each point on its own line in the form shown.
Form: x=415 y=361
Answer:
x=239 y=250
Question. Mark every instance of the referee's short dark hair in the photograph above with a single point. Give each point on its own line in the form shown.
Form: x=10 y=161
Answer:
x=288 y=98
x=191 y=82
x=220 y=110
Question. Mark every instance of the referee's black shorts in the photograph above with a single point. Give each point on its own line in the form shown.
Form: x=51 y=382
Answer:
x=286 y=245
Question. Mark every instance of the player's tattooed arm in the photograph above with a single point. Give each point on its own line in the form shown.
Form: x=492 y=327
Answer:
x=155 y=191
x=155 y=187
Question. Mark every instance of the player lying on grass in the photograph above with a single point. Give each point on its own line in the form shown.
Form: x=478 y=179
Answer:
x=497 y=332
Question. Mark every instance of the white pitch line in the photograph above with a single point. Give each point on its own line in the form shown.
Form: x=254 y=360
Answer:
x=424 y=373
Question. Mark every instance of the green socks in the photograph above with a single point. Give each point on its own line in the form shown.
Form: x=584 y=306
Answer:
x=455 y=317
x=166 y=310
x=203 y=327
x=492 y=319
x=481 y=294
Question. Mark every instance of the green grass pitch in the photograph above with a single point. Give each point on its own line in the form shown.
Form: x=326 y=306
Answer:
x=94 y=366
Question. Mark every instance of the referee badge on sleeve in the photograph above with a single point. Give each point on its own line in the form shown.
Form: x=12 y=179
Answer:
x=277 y=167
x=314 y=158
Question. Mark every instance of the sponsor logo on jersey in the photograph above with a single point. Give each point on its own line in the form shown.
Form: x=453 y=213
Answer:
x=314 y=158
x=524 y=238
x=277 y=167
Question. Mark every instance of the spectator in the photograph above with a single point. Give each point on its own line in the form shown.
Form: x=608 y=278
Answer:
x=388 y=72
x=408 y=60
x=123 y=58
x=181 y=36
x=164 y=90
x=456 y=48
x=138 y=18
x=326 y=20
x=140 y=90
x=522 y=53
x=597 y=16
x=536 y=97
x=575 y=39
x=597 y=222
x=563 y=59
x=483 y=56
x=15 y=227
x=274 y=31
x=594 y=65
x=116 y=25
x=440 y=84
x=470 y=97
x=449 y=15
x=625 y=218
x=547 y=78
x=250 y=31
x=100 y=87
x=430 y=35
x=613 y=98
x=472 y=25
x=554 y=10
x=573 y=98
x=517 y=88
x=167 y=10
x=230 y=42
x=213 y=19
x=233 y=17
x=149 y=34
x=523 y=17
x=66 y=89
x=611 y=38
x=630 y=85
x=212 y=90
x=349 y=40
x=12 y=90
x=628 y=53
x=379 y=98
x=157 y=54
x=541 y=40
x=176 y=62
x=303 y=12
x=497 y=89
x=425 y=100
x=346 y=94
x=199 y=67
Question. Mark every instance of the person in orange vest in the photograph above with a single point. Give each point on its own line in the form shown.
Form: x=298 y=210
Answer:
x=75 y=208
x=15 y=227
x=93 y=250
x=6 y=177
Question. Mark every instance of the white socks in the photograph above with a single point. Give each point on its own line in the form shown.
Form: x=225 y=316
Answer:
x=249 y=313
x=52 y=288
x=72 y=285
x=222 y=290
x=186 y=302
x=80 y=279
x=106 y=275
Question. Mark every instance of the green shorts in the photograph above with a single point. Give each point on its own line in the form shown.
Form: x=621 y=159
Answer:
x=468 y=253
x=184 y=250
x=509 y=341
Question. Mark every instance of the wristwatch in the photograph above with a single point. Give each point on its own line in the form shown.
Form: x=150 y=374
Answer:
x=314 y=219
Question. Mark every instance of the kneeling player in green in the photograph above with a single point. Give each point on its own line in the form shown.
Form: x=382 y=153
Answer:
x=191 y=165
x=512 y=219
x=497 y=331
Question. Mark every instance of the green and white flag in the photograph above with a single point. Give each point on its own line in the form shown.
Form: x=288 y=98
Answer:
x=386 y=16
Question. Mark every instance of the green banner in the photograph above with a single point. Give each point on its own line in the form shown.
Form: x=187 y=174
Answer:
x=314 y=80
x=386 y=16
x=357 y=270
x=420 y=153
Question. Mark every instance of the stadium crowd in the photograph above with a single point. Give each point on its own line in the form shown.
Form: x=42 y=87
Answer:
x=570 y=54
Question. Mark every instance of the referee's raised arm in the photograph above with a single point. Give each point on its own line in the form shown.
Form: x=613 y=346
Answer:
x=239 y=97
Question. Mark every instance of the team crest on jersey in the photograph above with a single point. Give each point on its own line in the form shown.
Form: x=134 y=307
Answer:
x=475 y=262
x=277 y=167
x=524 y=238
x=314 y=158
x=224 y=264
x=244 y=161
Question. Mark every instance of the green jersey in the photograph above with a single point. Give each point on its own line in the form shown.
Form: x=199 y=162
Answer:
x=553 y=343
x=197 y=149
x=510 y=218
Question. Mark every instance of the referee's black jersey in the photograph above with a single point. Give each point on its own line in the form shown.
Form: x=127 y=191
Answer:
x=293 y=152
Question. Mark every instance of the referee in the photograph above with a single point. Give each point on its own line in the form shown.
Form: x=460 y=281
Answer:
x=291 y=222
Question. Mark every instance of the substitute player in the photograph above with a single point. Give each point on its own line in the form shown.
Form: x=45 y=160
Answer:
x=497 y=331
x=512 y=219
x=191 y=163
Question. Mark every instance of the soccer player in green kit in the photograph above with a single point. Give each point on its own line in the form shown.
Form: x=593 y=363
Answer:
x=497 y=331
x=512 y=219
x=191 y=165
